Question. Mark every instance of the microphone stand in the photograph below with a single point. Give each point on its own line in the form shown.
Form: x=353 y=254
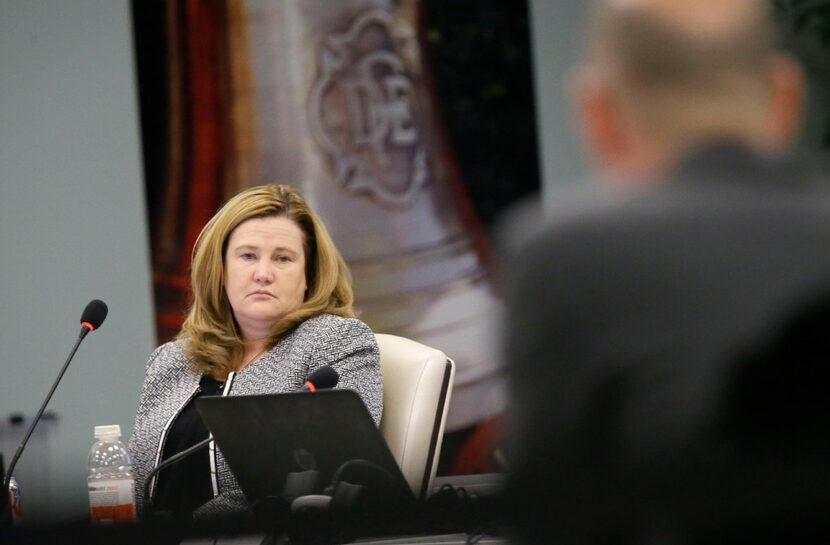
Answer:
x=148 y=500
x=7 y=480
x=152 y=517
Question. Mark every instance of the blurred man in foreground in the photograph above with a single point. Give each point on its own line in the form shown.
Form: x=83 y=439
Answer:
x=653 y=392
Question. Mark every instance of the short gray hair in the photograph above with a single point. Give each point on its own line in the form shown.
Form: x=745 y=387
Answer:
x=681 y=69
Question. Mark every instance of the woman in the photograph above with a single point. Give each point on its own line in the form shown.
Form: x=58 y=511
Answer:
x=272 y=302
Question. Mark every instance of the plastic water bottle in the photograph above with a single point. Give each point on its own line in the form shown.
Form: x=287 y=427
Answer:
x=110 y=479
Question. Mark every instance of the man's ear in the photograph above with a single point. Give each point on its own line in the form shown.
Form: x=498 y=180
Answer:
x=786 y=102
x=598 y=120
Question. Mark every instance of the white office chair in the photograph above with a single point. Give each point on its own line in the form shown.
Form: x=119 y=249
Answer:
x=417 y=385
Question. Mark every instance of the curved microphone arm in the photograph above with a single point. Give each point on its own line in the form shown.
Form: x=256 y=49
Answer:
x=148 y=500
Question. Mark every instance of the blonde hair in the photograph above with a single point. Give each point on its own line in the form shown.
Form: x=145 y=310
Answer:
x=215 y=343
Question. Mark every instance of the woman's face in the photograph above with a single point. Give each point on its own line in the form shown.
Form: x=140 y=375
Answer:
x=264 y=273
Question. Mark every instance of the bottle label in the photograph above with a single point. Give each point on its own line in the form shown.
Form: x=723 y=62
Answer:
x=111 y=502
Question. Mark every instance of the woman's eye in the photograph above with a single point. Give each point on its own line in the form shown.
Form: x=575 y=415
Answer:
x=283 y=259
x=248 y=256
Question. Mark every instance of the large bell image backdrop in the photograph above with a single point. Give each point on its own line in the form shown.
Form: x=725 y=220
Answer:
x=336 y=99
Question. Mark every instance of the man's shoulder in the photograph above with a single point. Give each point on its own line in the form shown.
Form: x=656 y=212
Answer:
x=542 y=212
x=567 y=213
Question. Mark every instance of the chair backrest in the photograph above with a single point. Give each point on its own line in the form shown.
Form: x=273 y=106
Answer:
x=417 y=385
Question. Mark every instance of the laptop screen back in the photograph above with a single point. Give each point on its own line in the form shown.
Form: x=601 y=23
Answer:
x=266 y=437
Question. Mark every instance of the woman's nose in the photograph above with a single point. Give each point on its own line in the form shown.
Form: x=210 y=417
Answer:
x=263 y=272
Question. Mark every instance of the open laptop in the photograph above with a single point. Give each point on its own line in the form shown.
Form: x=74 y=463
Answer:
x=264 y=438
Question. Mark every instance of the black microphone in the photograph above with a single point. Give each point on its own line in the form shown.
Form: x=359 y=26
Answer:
x=323 y=378
x=93 y=316
x=91 y=319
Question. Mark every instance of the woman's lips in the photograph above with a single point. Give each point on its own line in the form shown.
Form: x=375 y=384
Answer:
x=262 y=293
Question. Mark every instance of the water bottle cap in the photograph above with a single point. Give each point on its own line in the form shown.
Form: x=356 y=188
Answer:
x=108 y=431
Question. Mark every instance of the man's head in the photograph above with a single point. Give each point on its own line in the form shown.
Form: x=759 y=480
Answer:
x=663 y=76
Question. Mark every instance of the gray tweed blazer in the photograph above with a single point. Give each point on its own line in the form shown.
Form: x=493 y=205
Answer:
x=348 y=345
